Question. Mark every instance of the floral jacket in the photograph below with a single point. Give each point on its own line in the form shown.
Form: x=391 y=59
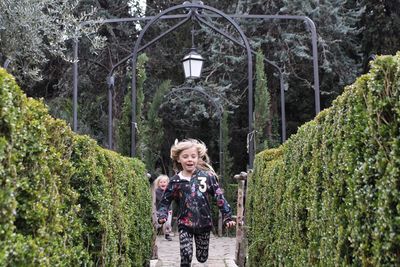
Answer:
x=192 y=198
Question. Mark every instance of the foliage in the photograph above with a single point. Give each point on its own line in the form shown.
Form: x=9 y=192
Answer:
x=332 y=188
x=39 y=207
x=226 y=172
x=379 y=25
x=64 y=200
x=230 y=189
x=339 y=58
x=124 y=123
x=123 y=141
x=286 y=44
x=33 y=32
x=193 y=113
x=140 y=128
x=202 y=103
x=152 y=127
x=115 y=208
x=94 y=67
x=262 y=105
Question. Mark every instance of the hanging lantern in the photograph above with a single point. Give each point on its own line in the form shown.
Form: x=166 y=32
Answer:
x=192 y=64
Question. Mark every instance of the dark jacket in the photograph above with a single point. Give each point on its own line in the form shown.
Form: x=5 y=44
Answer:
x=159 y=194
x=192 y=198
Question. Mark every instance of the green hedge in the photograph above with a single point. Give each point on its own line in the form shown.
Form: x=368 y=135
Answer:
x=330 y=195
x=64 y=201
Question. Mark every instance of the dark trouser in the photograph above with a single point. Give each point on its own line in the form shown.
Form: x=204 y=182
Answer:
x=202 y=241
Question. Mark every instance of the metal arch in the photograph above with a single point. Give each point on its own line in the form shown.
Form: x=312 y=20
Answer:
x=220 y=110
x=110 y=77
x=281 y=82
x=309 y=23
x=76 y=57
x=187 y=17
x=311 y=26
x=250 y=73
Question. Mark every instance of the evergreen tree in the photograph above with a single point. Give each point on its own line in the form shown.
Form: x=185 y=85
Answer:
x=227 y=159
x=380 y=26
x=288 y=44
x=228 y=184
x=140 y=117
x=262 y=105
x=124 y=123
x=153 y=132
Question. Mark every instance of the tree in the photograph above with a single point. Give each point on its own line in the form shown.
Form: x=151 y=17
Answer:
x=33 y=32
x=124 y=123
x=288 y=44
x=262 y=105
x=94 y=68
x=153 y=132
x=226 y=141
x=380 y=23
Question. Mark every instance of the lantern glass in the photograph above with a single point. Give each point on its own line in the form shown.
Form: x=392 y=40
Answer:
x=192 y=65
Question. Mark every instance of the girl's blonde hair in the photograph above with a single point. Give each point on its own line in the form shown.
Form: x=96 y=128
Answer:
x=178 y=147
x=159 y=179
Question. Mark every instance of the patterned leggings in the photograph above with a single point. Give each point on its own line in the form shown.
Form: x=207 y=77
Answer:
x=186 y=243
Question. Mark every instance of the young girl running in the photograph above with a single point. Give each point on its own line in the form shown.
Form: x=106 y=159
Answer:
x=190 y=187
x=161 y=184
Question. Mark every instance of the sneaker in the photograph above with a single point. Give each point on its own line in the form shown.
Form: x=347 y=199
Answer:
x=168 y=237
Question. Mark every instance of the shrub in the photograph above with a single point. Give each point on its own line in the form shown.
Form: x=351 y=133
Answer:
x=330 y=195
x=64 y=201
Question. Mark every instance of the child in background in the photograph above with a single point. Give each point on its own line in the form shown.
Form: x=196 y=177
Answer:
x=190 y=187
x=161 y=184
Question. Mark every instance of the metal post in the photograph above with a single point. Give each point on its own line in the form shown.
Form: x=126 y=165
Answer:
x=110 y=83
x=283 y=113
x=315 y=63
x=133 y=110
x=221 y=169
x=221 y=153
x=75 y=87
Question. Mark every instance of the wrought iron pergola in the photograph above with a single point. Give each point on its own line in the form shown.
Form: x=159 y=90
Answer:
x=193 y=14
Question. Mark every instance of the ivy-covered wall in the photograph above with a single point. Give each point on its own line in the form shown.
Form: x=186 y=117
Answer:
x=64 y=201
x=330 y=195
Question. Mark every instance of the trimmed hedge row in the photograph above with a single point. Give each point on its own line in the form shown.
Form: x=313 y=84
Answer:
x=330 y=195
x=64 y=201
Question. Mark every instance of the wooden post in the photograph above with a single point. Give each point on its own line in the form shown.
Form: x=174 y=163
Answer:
x=219 y=224
x=220 y=221
x=241 y=241
x=154 y=220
